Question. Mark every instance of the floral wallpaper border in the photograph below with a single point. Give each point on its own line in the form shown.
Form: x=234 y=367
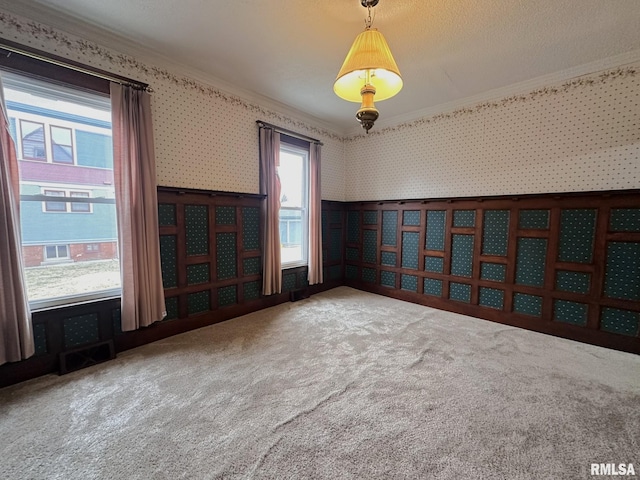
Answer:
x=86 y=47
x=584 y=81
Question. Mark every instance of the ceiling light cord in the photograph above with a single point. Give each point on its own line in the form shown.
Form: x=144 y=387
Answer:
x=369 y=21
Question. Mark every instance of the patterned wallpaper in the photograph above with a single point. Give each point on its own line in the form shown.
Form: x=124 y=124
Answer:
x=580 y=136
x=204 y=138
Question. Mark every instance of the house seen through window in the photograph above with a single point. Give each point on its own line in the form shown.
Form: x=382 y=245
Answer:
x=294 y=200
x=67 y=198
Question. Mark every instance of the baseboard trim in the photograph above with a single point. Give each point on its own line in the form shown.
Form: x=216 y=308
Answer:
x=546 y=326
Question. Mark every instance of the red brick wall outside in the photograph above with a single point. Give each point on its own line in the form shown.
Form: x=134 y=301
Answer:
x=109 y=250
x=34 y=254
x=82 y=252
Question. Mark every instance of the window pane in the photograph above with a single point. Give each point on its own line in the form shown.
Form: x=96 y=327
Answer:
x=80 y=207
x=291 y=171
x=61 y=147
x=56 y=252
x=61 y=135
x=55 y=206
x=65 y=255
x=33 y=146
x=291 y=235
x=61 y=153
x=84 y=248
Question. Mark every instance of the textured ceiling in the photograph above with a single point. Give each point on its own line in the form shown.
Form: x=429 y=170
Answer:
x=291 y=50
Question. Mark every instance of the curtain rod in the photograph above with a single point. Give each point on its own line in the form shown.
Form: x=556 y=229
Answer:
x=288 y=132
x=70 y=64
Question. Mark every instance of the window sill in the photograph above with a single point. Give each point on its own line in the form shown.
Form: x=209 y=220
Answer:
x=74 y=300
x=289 y=266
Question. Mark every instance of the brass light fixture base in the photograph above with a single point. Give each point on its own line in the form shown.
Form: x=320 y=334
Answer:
x=368 y=113
x=369 y=3
x=367 y=117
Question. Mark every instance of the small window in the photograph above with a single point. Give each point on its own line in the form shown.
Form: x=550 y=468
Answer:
x=294 y=230
x=56 y=252
x=92 y=247
x=78 y=206
x=61 y=145
x=67 y=206
x=55 y=206
x=33 y=141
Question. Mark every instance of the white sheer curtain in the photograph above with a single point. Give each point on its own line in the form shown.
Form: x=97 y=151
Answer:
x=137 y=208
x=315 y=216
x=270 y=186
x=16 y=331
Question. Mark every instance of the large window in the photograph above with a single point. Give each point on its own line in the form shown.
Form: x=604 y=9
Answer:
x=67 y=198
x=294 y=224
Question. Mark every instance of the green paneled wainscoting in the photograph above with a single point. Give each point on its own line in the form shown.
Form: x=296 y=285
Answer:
x=211 y=254
x=563 y=264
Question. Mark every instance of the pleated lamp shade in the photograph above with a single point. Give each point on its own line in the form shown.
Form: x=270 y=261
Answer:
x=369 y=52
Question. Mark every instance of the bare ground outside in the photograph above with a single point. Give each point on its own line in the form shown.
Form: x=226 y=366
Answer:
x=60 y=280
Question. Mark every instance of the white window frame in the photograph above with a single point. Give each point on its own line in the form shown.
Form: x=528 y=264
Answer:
x=46 y=192
x=48 y=138
x=72 y=134
x=71 y=204
x=304 y=153
x=20 y=135
x=70 y=95
x=67 y=191
x=56 y=258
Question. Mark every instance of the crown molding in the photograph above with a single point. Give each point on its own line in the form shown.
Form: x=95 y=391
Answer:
x=85 y=30
x=498 y=94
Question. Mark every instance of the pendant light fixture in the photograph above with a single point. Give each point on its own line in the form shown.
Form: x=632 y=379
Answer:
x=368 y=70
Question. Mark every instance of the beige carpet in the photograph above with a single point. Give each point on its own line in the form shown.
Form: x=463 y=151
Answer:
x=345 y=384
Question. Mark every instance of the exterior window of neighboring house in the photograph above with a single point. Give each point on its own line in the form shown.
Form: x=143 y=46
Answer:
x=37 y=145
x=33 y=142
x=78 y=206
x=55 y=206
x=67 y=130
x=56 y=252
x=294 y=201
x=61 y=145
x=67 y=206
